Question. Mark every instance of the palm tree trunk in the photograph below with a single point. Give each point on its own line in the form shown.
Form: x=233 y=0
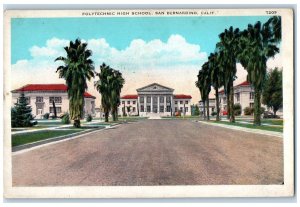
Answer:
x=207 y=106
x=232 y=118
x=228 y=104
x=217 y=104
x=257 y=96
x=115 y=114
x=204 y=111
x=106 y=114
x=76 y=123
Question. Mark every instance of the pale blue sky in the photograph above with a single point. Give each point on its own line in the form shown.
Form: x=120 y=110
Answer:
x=120 y=31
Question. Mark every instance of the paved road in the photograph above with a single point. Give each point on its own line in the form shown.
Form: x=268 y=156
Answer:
x=155 y=152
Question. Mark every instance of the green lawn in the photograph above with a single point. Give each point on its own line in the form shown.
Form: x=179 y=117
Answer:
x=265 y=121
x=250 y=126
x=24 y=138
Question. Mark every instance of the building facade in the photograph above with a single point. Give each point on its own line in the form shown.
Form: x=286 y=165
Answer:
x=243 y=95
x=41 y=97
x=155 y=99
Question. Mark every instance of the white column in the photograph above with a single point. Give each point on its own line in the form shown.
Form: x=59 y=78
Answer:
x=151 y=106
x=158 y=101
x=145 y=104
x=171 y=104
x=165 y=103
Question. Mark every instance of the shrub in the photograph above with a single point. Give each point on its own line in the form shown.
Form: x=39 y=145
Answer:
x=213 y=113
x=89 y=118
x=262 y=110
x=237 y=108
x=248 y=111
x=66 y=119
x=46 y=116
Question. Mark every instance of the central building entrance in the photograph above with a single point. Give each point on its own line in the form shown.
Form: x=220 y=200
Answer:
x=156 y=99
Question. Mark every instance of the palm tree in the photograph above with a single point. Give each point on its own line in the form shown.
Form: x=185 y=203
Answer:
x=228 y=48
x=76 y=70
x=217 y=75
x=259 y=43
x=117 y=83
x=103 y=85
x=204 y=85
x=199 y=85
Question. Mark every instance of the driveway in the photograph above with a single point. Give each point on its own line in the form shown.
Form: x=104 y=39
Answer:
x=154 y=152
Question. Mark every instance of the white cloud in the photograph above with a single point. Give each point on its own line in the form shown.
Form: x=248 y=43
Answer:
x=174 y=63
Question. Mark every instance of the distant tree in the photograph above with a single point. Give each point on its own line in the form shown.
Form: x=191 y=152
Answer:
x=237 y=109
x=21 y=115
x=196 y=110
x=272 y=92
x=248 y=110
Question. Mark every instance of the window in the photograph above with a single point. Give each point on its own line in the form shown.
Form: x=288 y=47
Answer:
x=176 y=109
x=133 y=109
x=186 y=102
x=93 y=106
x=128 y=102
x=168 y=108
x=148 y=99
x=155 y=99
x=181 y=102
x=224 y=100
x=186 y=109
x=161 y=99
x=55 y=99
x=168 y=99
x=133 y=102
x=181 y=109
x=251 y=95
x=39 y=99
x=251 y=105
x=58 y=110
x=142 y=108
x=148 y=108
x=161 y=108
x=141 y=99
x=237 y=96
x=176 y=102
x=123 y=102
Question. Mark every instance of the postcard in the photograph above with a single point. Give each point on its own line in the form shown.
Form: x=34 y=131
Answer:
x=149 y=103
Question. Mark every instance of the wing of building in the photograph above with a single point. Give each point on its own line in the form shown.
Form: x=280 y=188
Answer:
x=155 y=100
x=243 y=95
x=41 y=97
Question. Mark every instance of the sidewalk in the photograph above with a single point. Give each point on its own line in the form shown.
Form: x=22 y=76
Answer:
x=256 y=131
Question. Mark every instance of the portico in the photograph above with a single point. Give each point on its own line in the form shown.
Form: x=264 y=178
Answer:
x=155 y=98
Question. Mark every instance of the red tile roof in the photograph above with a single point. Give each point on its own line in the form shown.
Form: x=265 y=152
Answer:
x=245 y=83
x=48 y=87
x=87 y=95
x=43 y=87
x=182 y=96
x=129 y=97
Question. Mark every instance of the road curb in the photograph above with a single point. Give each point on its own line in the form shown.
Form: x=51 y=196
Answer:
x=255 y=131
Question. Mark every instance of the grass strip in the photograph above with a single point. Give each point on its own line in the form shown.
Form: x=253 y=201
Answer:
x=268 y=128
x=29 y=137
